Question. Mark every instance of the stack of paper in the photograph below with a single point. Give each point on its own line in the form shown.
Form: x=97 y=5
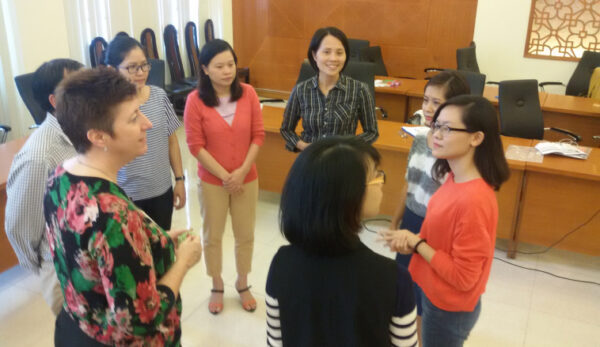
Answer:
x=563 y=148
x=416 y=130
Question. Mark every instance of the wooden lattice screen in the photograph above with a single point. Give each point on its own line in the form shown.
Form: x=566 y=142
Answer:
x=563 y=29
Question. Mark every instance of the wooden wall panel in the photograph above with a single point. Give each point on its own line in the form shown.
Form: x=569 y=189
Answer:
x=271 y=36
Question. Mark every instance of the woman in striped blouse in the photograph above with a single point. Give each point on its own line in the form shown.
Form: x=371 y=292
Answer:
x=147 y=179
x=327 y=288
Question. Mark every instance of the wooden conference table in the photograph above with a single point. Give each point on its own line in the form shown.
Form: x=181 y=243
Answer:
x=8 y=150
x=578 y=114
x=527 y=211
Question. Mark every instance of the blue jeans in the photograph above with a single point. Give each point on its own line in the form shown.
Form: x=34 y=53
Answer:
x=446 y=328
x=412 y=222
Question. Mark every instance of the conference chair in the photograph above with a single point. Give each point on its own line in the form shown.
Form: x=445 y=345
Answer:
x=156 y=76
x=148 y=41
x=25 y=87
x=475 y=80
x=4 y=129
x=361 y=71
x=191 y=47
x=97 y=48
x=579 y=82
x=355 y=45
x=174 y=58
x=209 y=30
x=521 y=113
x=373 y=55
x=466 y=60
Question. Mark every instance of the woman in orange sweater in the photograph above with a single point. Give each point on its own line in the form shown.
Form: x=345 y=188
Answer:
x=455 y=248
x=224 y=129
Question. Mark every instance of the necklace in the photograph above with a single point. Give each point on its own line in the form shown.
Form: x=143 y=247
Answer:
x=95 y=168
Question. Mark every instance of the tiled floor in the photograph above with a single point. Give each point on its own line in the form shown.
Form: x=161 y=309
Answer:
x=520 y=307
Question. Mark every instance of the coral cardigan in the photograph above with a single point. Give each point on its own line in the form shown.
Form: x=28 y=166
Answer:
x=205 y=128
x=460 y=225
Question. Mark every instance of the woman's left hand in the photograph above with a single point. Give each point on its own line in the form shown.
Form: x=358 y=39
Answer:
x=236 y=181
x=179 y=197
x=401 y=241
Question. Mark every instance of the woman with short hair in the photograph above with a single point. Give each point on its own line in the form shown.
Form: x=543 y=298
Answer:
x=327 y=288
x=120 y=272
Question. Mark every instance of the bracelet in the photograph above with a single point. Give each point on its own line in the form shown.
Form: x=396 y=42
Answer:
x=180 y=178
x=417 y=245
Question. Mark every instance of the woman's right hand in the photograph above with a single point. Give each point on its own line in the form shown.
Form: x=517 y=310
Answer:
x=301 y=145
x=190 y=251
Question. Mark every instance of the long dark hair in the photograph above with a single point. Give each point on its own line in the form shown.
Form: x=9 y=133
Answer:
x=321 y=201
x=478 y=114
x=206 y=92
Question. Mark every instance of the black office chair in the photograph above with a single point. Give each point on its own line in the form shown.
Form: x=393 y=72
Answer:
x=373 y=55
x=475 y=80
x=191 y=47
x=466 y=59
x=355 y=46
x=358 y=70
x=156 y=76
x=25 y=87
x=521 y=113
x=148 y=40
x=579 y=83
x=174 y=58
x=97 y=48
x=209 y=31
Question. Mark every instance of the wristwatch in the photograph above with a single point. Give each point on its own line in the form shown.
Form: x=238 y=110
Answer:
x=180 y=178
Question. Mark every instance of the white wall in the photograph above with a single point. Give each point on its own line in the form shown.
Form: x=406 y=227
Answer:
x=35 y=31
x=500 y=34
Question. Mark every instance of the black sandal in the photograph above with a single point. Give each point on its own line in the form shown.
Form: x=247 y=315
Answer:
x=246 y=305
x=217 y=307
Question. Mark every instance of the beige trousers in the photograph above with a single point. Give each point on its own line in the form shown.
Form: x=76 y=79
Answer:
x=215 y=202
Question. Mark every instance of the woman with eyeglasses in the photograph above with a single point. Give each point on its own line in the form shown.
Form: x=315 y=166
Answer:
x=327 y=288
x=454 y=250
x=147 y=179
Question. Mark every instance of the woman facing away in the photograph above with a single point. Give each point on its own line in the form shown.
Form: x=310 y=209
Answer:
x=327 y=288
x=119 y=271
x=224 y=129
x=329 y=103
x=147 y=178
x=455 y=247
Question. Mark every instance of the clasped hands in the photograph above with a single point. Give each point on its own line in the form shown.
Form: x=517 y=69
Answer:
x=234 y=181
x=402 y=241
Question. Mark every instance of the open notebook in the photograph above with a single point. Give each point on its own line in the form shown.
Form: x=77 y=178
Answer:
x=563 y=148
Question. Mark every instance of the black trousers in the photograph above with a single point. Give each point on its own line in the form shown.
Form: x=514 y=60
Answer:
x=68 y=334
x=159 y=208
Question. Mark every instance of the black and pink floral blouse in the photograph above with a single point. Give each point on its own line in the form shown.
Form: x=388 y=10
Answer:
x=109 y=257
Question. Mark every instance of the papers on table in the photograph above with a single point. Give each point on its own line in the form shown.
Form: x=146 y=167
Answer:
x=563 y=148
x=416 y=130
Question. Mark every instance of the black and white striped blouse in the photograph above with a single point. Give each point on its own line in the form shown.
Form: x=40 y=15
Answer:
x=358 y=299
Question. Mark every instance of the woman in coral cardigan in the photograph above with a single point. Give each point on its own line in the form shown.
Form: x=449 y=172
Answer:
x=224 y=129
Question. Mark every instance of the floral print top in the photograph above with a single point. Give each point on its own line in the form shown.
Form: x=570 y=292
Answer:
x=109 y=256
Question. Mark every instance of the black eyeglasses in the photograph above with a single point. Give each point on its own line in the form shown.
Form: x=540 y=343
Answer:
x=444 y=129
x=133 y=69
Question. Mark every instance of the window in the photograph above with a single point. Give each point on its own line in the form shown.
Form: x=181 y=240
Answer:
x=563 y=29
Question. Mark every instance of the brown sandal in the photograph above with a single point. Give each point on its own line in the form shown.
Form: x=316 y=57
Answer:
x=215 y=308
x=248 y=305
